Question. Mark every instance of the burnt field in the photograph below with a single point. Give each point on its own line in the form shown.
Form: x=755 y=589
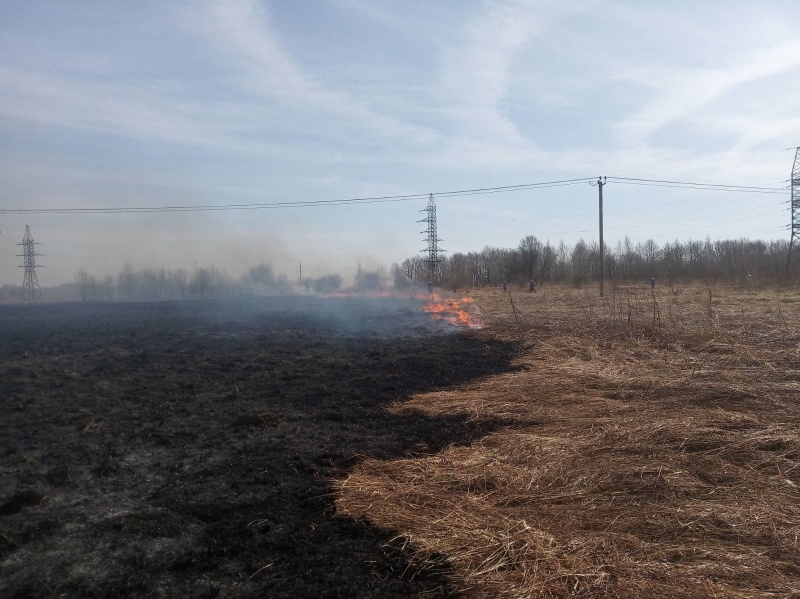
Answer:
x=189 y=449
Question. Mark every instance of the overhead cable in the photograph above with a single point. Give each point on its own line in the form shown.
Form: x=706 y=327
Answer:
x=394 y=198
x=300 y=204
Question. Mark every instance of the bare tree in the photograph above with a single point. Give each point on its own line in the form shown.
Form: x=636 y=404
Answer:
x=86 y=285
x=126 y=281
x=530 y=250
x=546 y=262
x=180 y=279
x=203 y=280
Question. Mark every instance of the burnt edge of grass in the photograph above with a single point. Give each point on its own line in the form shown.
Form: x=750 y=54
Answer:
x=186 y=449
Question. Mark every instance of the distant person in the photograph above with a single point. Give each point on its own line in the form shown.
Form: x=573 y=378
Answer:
x=652 y=283
x=505 y=285
x=430 y=287
x=532 y=288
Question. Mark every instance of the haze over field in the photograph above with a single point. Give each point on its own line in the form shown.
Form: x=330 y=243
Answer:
x=220 y=102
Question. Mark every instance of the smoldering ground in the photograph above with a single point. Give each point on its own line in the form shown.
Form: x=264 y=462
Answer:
x=187 y=448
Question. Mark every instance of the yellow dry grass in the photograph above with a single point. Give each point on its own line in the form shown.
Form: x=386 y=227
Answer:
x=649 y=447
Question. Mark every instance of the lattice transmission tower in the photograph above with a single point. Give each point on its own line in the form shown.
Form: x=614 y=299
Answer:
x=795 y=205
x=432 y=260
x=30 y=282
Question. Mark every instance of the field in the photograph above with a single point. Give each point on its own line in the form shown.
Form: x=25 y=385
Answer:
x=187 y=449
x=642 y=446
x=651 y=449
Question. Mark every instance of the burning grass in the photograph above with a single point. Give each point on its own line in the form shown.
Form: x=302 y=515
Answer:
x=456 y=312
x=650 y=449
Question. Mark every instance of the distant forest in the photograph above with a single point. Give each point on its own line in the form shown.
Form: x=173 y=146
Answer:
x=731 y=261
x=152 y=284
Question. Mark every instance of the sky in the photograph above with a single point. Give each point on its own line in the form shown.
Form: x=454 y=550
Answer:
x=109 y=103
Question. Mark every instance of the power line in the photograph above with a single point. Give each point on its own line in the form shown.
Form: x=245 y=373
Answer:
x=391 y=199
x=301 y=204
x=743 y=190
x=695 y=185
x=521 y=219
x=486 y=191
x=727 y=222
x=649 y=222
x=718 y=190
x=692 y=199
x=719 y=185
x=657 y=220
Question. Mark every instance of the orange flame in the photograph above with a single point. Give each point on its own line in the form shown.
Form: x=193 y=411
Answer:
x=450 y=310
x=447 y=309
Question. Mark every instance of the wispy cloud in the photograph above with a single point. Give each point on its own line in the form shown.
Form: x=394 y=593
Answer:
x=477 y=70
x=682 y=92
x=153 y=112
x=243 y=29
x=481 y=69
x=374 y=11
x=117 y=108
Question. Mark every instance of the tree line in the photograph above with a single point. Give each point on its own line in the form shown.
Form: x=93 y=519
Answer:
x=151 y=284
x=731 y=261
x=739 y=261
x=148 y=284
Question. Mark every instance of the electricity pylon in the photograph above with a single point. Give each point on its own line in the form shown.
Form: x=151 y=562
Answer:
x=30 y=282
x=795 y=205
x=432 y=260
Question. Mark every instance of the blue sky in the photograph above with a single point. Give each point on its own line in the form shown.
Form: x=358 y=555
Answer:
x=111 y=103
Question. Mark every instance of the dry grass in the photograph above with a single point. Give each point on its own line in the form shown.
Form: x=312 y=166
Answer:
x=650 y=449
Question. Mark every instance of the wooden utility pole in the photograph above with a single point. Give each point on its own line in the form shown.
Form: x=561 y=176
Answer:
x=301 y=271
x=601 y=181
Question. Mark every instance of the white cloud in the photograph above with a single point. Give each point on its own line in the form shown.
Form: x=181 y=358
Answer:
x=476 y=71
x=245 y=27
x=484 y=75
x=372 y=10
x=682 y=92
x=121 y=109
